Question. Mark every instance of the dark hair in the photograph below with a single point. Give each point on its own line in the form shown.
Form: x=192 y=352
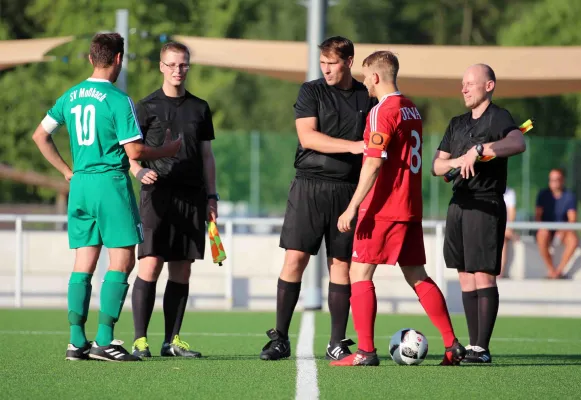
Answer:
x=339 y=46
x=384 y=60
x=104 y=49
x=174 y=46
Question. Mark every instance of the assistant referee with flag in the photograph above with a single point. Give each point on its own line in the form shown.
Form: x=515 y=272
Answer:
x=178 y=196
x=476 y=218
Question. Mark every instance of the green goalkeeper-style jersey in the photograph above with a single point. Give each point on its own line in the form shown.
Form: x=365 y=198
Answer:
x=100 y=119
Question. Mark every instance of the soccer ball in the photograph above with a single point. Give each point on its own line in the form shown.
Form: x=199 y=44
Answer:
x=408 y=347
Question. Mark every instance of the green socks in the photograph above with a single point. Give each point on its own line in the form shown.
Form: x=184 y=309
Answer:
x=113 y=292
x=79 y=297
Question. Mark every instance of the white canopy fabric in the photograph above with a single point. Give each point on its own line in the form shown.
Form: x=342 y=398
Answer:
x=24 y=51
x=427 y=71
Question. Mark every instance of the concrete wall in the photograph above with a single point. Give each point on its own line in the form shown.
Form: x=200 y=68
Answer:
x=256 y=260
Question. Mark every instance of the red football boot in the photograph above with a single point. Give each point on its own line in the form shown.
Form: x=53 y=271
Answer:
x=359 y=359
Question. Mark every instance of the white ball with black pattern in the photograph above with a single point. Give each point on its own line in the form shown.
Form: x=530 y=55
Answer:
x=408 y=347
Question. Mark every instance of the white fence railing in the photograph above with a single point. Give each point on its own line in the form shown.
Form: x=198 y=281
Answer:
x=227 y=227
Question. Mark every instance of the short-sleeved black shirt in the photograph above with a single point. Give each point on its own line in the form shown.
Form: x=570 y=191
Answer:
x=340 y=114
x=187 y=115
x=462 y=133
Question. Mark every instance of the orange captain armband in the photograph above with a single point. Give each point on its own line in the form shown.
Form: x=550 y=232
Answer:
x=377 y=146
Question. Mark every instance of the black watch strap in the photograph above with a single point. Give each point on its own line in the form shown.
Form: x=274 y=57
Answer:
x=214 y=196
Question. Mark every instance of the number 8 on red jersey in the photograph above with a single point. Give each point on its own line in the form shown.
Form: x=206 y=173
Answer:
x=394 y=133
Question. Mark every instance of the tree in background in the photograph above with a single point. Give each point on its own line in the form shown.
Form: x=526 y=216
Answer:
x=244 y=102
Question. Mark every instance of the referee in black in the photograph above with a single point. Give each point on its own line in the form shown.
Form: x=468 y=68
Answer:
x=330 y=119
x=476 y=218
x=178 y=196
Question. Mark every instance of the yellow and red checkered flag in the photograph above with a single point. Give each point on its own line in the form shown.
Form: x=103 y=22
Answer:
x=218 y=253
x=454 y=172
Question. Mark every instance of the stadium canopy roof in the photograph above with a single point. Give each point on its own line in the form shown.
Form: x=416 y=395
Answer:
x=426 y=71
x=24 y=51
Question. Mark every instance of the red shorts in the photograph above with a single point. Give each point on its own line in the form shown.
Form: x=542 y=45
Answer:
x=389 y=242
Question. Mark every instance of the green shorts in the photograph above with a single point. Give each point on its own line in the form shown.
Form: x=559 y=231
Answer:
x=102 y=211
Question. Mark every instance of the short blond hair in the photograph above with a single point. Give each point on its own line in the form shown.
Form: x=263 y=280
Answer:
x=385 y=61
x=175 y=47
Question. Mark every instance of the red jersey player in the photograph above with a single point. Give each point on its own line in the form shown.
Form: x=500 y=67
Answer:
x=389 y=201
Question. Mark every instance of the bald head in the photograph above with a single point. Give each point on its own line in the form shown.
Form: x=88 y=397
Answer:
x=478 y=85
x=484 y=71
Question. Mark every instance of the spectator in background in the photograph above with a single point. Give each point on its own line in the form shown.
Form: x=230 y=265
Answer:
x=509 y=235
x=556 y=204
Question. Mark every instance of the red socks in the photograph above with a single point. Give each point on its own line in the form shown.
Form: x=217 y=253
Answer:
x=433 y=302
x=364 y=309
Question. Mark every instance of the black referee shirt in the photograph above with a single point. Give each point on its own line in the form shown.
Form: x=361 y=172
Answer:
x=340 y=114
x=462 y=133
x=187 y=115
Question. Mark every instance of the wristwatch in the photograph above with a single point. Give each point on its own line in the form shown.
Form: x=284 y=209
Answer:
x=214 y=196
x=480 y=149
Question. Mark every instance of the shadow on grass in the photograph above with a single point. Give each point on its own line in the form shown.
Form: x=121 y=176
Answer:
x=499 y=361
x=223 y=357
x=509 y=360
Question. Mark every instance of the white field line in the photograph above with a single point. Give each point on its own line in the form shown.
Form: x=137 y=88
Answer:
x=307 y=385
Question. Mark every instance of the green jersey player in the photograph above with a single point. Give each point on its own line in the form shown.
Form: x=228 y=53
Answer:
x=102 y=210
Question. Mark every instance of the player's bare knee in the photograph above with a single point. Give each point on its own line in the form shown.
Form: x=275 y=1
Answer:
x=361 y=272
x=338 y=263
x=150 y=268
x=126 y=266
x=338 y=270
x=340 y=278
x=414 y=274
x=179 y=271
x=467 y=281
x=295 y=263
x=296 y=258
x=122 y=259
x=84 y=267
x=86 y=259
x=484 y=280
x=149 y=274
x=292 y=272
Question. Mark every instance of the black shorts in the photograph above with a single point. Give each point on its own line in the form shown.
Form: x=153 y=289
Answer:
x=174 y=223
x=475 y=235
x=312 y=212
